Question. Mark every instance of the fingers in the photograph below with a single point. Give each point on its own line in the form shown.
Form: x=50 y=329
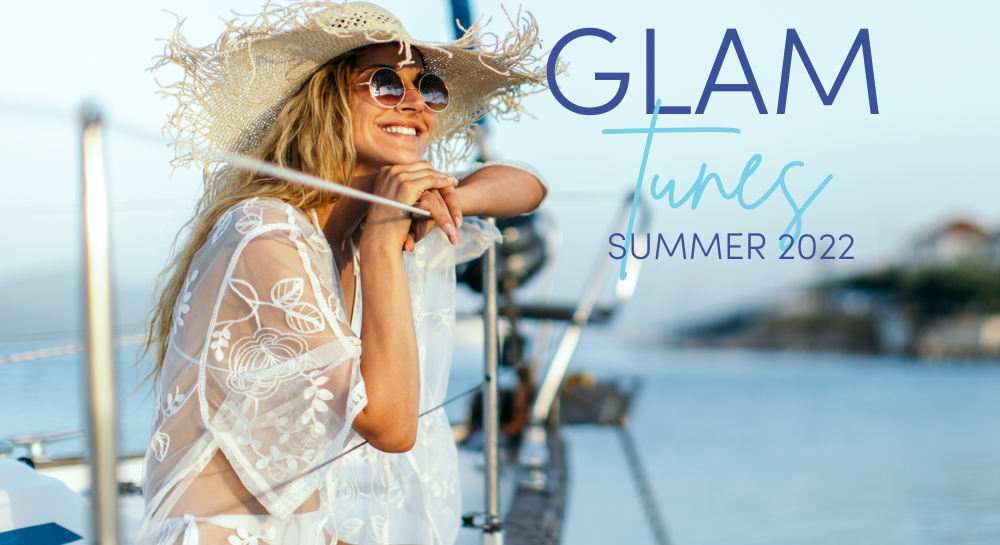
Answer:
x=450 y=196
x=405 y=183
x=441 y=214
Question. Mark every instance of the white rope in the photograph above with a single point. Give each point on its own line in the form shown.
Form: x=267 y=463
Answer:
x=255 y=165
x=128 y=340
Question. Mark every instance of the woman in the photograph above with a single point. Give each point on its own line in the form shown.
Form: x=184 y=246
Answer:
x=267 y=368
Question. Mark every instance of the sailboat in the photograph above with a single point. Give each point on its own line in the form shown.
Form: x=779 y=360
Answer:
x=510 y=442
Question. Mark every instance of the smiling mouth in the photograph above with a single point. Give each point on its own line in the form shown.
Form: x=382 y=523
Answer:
x=396 y=129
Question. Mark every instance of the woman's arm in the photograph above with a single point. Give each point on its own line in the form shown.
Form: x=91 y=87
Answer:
x=499 y=191
x=389 y=360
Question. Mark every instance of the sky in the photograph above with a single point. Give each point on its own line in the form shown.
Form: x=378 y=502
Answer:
x=924 y=159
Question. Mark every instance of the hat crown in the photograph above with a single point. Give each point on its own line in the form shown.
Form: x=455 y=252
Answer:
x=358 y=16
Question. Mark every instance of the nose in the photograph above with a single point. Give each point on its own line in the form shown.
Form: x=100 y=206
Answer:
x=412 y=102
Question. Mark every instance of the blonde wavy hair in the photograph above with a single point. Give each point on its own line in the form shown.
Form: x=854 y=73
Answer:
x=313 y=133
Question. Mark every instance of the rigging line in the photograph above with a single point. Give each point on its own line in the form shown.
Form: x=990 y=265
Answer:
x=121 y=206
x=641 y=479
x=421 y=415
x=251 y=164
x=127 y=340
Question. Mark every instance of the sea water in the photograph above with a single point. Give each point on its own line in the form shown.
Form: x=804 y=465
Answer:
x=741 y=448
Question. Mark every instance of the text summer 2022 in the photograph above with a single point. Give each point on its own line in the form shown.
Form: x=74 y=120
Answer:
x=731 y=41
x=737 y=246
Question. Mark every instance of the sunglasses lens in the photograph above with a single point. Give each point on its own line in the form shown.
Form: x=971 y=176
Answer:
x=434 y=92
x=387 y=88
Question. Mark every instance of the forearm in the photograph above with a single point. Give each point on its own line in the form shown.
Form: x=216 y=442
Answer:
x=389 y=360
x=500 y=192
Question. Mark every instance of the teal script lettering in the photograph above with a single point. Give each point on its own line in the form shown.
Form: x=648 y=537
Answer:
x=703 y=181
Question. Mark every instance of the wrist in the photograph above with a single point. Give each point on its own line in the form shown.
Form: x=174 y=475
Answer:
x=468 y=201
x=375 y=243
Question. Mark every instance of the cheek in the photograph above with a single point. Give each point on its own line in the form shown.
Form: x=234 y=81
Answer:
x=364 y=123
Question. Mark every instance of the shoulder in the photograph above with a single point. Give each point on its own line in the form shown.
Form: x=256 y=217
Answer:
x=253 y=217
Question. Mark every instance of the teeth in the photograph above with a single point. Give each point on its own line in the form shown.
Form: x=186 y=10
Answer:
x=401 y=130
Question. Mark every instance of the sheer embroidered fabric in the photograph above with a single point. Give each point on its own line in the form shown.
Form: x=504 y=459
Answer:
x=263 y=366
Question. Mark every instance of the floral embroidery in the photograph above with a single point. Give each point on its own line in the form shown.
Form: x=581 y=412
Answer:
x=221 y=341
x=318 y=243
x=318 y=397
x=174 y=402
x=436 y=484
x=221 y=226
x=258 y=364
x=302 y=317
x=160 y=444
x=182 y=307
x=252 y=218
x=378 y=529
x=338 y=311
x=351 y=529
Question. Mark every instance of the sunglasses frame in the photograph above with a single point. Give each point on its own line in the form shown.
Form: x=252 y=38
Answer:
x=405 y=89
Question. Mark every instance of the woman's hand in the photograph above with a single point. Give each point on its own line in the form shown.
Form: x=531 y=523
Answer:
x=404 y=184
x=445 y=213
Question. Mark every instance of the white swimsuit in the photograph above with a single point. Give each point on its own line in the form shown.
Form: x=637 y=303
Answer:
x=304 y=528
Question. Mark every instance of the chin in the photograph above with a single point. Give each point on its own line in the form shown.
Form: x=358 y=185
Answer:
x=401 y=157
x=381 y=153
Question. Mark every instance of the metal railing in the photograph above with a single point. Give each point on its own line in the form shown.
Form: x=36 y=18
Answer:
x=36 y=443
x=103 y=425
x=493 y=525
x=549 y=390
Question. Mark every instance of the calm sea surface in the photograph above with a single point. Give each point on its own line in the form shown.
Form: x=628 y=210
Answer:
x=741 y=448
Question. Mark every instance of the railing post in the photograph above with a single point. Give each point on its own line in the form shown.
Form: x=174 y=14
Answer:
x=492 y=529
x=101 y=395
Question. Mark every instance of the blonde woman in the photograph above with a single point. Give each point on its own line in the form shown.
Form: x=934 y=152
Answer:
x=270 y=358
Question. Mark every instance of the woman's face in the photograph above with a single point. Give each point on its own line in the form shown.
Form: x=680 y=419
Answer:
x=385 y=136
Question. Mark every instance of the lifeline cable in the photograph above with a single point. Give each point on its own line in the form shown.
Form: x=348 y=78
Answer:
x=421 y=415
x=127 y=340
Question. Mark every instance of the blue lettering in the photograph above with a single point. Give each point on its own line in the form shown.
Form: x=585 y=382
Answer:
x=751 y=248
x=860 y=43
x=670 y=252
x=715 y=242
x=620 y=77
x=730 y=245
x=644 y=256
x=750 y=86
x=651 y=78
x=611 y=241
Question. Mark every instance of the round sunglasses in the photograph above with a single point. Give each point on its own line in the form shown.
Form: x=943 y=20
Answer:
x=388 y=89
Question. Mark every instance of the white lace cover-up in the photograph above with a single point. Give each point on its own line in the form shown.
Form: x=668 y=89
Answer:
x=263 y=366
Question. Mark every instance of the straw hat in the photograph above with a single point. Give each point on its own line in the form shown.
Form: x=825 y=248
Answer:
x=233 y=89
